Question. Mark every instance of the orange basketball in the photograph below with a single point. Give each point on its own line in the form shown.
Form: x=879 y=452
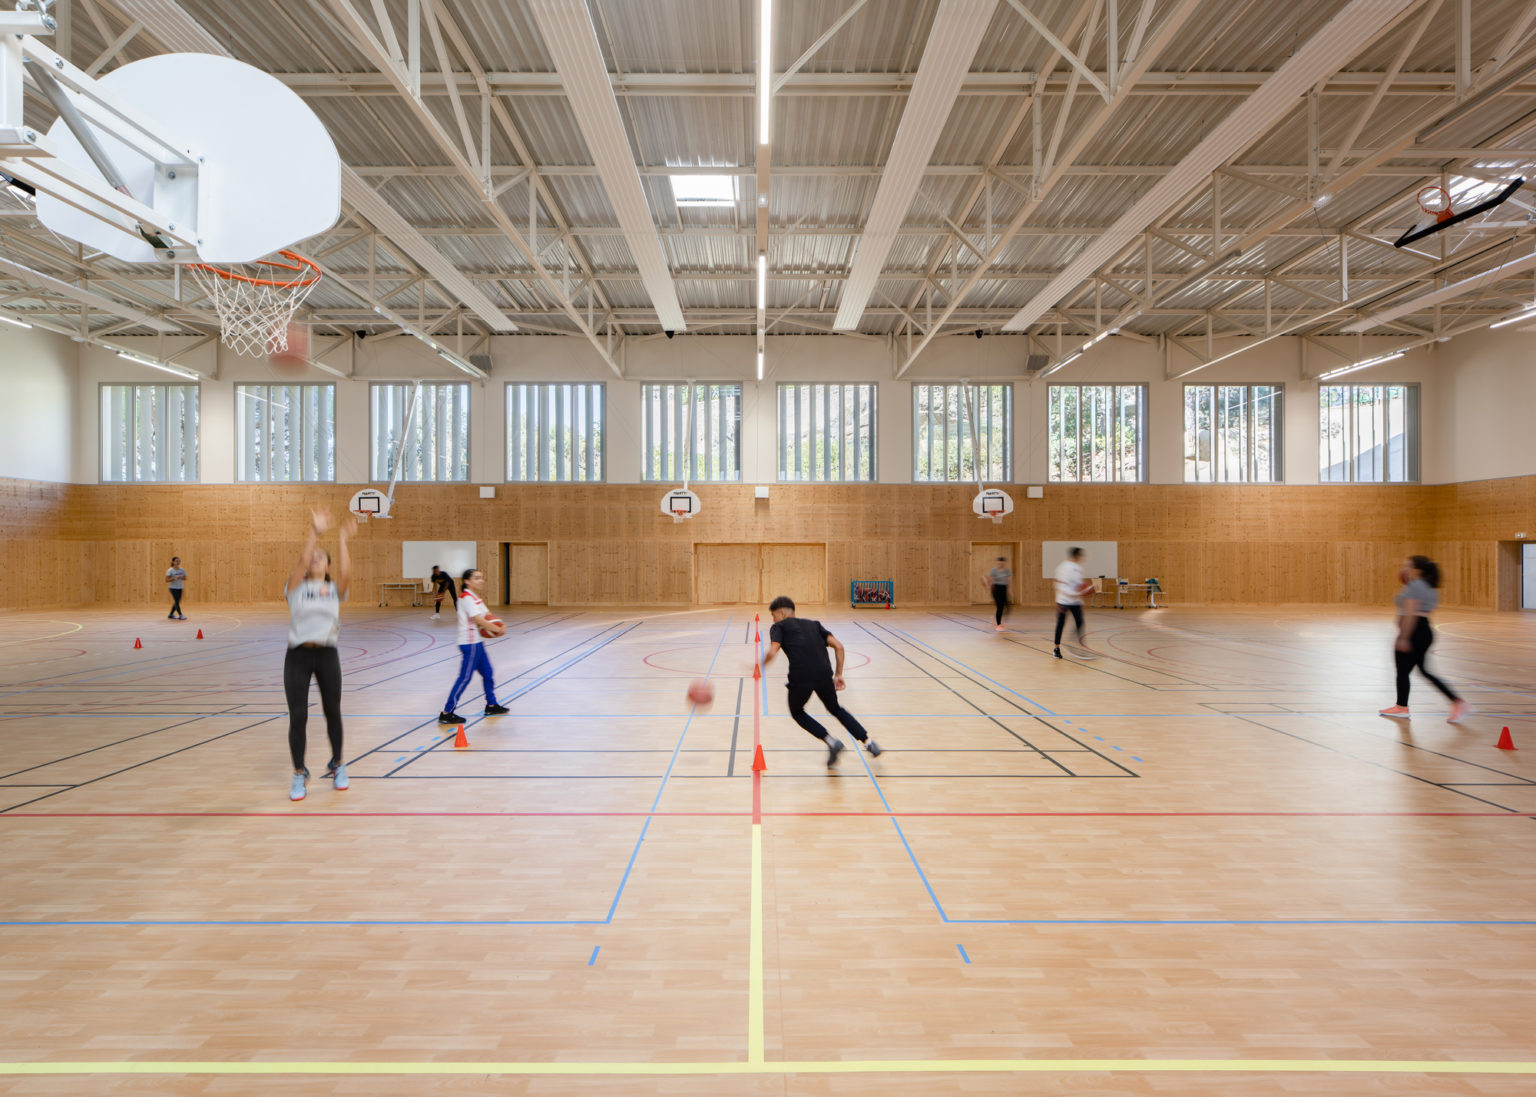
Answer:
x=701 y=693
x=294 y=360
x=1085 y=587
x=493 y=628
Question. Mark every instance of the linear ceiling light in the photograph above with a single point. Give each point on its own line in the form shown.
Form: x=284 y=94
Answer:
x=13 y=320
x=764 y=69
x=762 y=281
x=759 y=365
x=1528 y=314
x=1378 y=360
x=155 y=363
x=1322 y=55
x=1439 y=296
x=572 y=42
x=957 y=29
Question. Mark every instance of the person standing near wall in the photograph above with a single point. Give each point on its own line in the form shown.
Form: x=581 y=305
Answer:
x=997 y=580
x=175 y=579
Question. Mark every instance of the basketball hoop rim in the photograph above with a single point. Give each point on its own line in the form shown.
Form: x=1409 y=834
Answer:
x=1419 y=197
x=309 y=270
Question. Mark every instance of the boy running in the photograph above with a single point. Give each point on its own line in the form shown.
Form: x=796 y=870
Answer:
x=805 y=643
x=1069 y=595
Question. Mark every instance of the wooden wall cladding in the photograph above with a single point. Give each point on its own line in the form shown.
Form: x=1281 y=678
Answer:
x=609 y=545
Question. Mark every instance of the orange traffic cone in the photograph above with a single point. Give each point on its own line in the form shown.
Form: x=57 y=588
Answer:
x=461 y=740
x=199 y=634
x=757 y=671
x=137 y=643
x=759 y=763
x=1505 y=742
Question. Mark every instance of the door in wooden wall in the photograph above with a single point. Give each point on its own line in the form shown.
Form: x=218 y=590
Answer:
x=526 y=574
x=983 y=559
x=726 y=574
x=799 y=571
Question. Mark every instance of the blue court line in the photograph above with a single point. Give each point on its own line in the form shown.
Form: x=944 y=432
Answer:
x=963 y=956
x=593 y=960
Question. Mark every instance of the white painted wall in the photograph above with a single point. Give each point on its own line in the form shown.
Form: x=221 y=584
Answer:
x=38 y=418
x=818 y=358
x=1488 y=409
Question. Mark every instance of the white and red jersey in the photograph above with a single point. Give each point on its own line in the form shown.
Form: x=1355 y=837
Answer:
x=470 y=607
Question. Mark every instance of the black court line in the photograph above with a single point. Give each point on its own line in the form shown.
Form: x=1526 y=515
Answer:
x=148 y=761
x=730 y=769
x=143 y=734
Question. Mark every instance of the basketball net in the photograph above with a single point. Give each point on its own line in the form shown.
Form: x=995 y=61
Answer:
x=256 y=301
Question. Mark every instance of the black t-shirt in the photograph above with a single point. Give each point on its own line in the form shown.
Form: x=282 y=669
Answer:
x=804 y=642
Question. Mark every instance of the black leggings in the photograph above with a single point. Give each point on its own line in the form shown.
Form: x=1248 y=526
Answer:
x=175 y=601
x=1418 y=648
x=1000 y=596
x=1061 y=620
x=799 y=695
x=324 y=664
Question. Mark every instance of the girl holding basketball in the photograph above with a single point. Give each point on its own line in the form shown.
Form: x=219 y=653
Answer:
x=475 y=622
x=314 y=623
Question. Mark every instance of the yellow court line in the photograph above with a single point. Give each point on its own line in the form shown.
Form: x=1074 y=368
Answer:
x=74 y=627
x=859 y=1066
x=755 y=962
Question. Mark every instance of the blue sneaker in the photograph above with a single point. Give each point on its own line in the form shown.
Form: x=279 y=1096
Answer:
x=296 y=790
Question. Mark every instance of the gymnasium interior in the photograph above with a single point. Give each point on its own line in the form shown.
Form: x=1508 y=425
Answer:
x=653 y=311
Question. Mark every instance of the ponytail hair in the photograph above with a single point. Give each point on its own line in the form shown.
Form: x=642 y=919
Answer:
x=1427 y=568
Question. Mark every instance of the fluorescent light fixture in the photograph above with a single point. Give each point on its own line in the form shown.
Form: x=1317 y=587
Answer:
x=458 y=363
x=1067 y=361
x=1378 y=360
x=154 y=364
x=704 y=190
x=762 y=281
x=1097 y=339
x=764 y=67
x=13 y=320
x=1528 y=314
x=263 y=399
x=759 y=365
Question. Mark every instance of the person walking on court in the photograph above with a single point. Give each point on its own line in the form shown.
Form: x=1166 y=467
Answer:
x=805 y=642
x=997 y=581
x=314 y=624
x=1415 y=602
x=1069 y=595
x=473 y=616
x=175 y=579
x=442 y=583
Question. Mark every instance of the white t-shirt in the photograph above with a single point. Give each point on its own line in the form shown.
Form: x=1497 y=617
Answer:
x=314 y=613
x=1069 y=576
x=470 y=607
x=177 y=577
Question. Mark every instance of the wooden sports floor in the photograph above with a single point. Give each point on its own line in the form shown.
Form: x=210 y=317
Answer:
x=1197 y=864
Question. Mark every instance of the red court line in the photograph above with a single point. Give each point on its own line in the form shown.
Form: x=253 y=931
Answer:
x=757 y=814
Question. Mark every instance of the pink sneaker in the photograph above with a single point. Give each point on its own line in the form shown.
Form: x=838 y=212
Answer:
x=1000 y=628
x=1399 y=712
x=1460 y=710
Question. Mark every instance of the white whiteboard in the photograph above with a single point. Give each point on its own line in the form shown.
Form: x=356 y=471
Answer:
x=1099 y=557
x=417 y=558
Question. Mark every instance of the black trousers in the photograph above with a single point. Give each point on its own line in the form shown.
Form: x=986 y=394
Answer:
x=1000 y=596
x=1418 y=648
x=324 y=665
x=800 y=693
x=175 y=601
x=1061 y=620
x=450 y=592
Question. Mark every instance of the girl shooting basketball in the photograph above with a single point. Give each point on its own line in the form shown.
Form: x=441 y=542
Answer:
x=314 y=623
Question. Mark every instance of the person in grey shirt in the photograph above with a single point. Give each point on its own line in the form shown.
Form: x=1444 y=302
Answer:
x=997 y=581
x=175 y=579
x=314 y=626
x=1415 y=602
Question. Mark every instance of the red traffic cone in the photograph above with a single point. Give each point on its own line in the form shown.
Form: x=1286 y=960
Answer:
x=199 y=634
x=757 y=637
x=137 y=643
x=461 y=740
x=759 y=763
x=757 y=671
x=1505 y=742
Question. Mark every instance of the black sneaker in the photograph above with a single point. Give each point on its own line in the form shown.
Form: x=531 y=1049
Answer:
x=449 y=718
x=834 y=748
x=496 y=710
x=873 y=748
x=1058 y=653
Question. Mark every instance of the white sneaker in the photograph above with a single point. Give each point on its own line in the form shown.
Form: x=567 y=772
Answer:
x=296 y=790
x=435 y=616
x=338 y=775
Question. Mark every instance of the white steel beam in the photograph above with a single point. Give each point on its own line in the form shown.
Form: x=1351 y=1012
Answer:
x=1343 y=36
x=572 y=42
x=957 y=29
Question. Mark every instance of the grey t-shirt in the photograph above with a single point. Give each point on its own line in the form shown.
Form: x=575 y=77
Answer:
x=1421 y=592
x=314 y=613
x=177 y=577
x=1000 y=575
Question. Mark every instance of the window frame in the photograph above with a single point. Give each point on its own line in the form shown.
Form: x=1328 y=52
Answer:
x=1116 y=402
x=1413 y=442
x=676 y=420
x=373 y=432
x=304 y=430
x=597 y=453
x=1277 y=431
x=103 y=455
x=846 y=440
x=963 y=435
